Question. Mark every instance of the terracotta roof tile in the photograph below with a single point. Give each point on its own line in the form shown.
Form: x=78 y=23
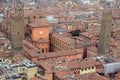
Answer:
x=36 y=78
x=93 y=76
x=82 y=64
x=59 y=54
x=62 y=38
x=61 y=74
x=30 y=49
x=39 y=23
x=4 y=55
x=98 y=77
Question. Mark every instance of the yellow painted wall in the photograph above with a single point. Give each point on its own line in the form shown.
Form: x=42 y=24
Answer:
x=31 y=72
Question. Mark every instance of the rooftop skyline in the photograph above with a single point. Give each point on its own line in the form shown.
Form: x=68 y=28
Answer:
x=61 y=40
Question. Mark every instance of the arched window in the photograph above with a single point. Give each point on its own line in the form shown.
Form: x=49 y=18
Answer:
x=42 y=50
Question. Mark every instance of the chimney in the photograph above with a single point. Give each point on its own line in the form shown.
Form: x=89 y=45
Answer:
x=84 y=53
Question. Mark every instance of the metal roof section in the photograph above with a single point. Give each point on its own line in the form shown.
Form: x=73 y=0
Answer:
x=29 y=63
x=111 y=67
x=51 y=19
x=60 y=30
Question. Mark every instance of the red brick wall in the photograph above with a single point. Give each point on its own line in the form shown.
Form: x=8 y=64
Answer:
x=38 y=33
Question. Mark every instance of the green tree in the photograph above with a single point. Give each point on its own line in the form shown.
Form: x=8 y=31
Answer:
x=75 y=32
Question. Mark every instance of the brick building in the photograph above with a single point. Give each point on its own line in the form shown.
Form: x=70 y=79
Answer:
x=60 y=42
x=38 y=32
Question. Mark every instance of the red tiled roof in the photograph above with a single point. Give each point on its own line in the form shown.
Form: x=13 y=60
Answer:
x=98 y=77
x=59 y=54
x=36 y=78
x=30 y=52
x=46 y=66
x=4 y=55
x=18 y=57
x=82 y=64
x=30 y=49
x=39 y=23
x=62 y=38
x=60 y=75
x=2 y=34
x=93 y=76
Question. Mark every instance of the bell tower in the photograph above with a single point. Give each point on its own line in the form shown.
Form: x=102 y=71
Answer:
x=17 y=28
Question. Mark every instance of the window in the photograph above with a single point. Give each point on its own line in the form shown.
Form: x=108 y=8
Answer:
x=92 y=67
x=38 y=52
x=74 y=72
x=28 y=17
x=23 y=69
x=34 y=17
x=40 y=17
x=42 y=50
x=29 y=20
x=78 y=71
x=46 y=49
x=89 y=68
x=30 y=31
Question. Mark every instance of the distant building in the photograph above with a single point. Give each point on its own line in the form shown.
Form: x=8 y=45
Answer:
x=51 y=19
x=90 y=1
x=24 y=70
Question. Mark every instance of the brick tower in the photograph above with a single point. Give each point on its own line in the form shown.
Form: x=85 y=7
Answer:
x=105 y=33
x=17 y=28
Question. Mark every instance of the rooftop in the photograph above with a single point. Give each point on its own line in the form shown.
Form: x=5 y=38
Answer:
x=59 y=54
x=62 y=38
x=39 y=23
